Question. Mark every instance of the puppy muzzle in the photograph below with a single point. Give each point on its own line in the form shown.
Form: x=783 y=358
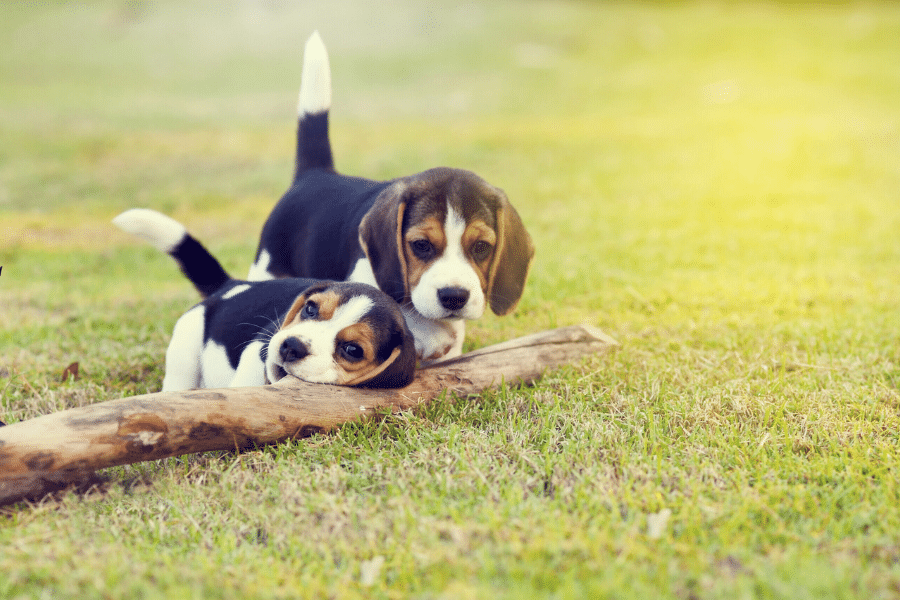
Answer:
x=453 y=298
x=292 y=350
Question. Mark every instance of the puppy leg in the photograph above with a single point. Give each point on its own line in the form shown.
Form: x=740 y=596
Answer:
x=459 y=330
x=251 y=370
x=458 y=327
x=215 y=366
x=183 y=355
x=435 y=340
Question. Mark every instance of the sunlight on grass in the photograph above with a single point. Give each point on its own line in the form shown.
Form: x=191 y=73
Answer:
x=714 y=184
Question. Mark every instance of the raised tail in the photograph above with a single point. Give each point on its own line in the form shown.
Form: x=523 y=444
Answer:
x=170 y=236
x=313 y=146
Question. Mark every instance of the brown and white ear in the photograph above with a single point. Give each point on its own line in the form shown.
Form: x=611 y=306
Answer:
x=381 y=238
x=512 y=258
x=395 y=372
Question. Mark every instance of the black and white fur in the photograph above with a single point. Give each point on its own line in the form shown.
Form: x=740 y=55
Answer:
x=443 y=243
x=252 y=333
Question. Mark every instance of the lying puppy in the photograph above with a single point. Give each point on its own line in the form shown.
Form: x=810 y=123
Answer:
x=248 y=334
x=442 y=243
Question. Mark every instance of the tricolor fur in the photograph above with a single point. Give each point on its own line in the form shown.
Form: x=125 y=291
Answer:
x=443 y=243
x=251 y=333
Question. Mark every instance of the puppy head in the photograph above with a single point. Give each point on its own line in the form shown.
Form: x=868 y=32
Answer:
x=448 y=242
x=343 y=334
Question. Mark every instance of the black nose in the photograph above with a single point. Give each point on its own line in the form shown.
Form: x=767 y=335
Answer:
x=292 y=349
x=453 y=298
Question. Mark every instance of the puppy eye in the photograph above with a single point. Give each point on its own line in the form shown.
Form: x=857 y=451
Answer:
x=423 y=249
x=310 y=310
x=352 y=352
x=481 y=250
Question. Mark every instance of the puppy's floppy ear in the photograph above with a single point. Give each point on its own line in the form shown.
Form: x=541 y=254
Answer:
x=395 y=372
x=512 y=258
x=381 y=238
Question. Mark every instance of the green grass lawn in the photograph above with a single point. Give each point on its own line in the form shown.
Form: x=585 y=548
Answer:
x=715 y=185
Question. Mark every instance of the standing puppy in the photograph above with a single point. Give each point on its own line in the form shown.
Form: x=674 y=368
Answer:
x=253 y=333
x=443 y=243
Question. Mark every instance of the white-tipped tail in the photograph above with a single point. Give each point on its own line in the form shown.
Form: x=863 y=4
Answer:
x=315 y=81
x=163 y=232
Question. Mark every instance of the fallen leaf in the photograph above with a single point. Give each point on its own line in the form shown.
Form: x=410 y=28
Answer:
x=71 y=370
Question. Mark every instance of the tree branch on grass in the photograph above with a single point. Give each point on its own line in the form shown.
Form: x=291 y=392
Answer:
x=55 y=451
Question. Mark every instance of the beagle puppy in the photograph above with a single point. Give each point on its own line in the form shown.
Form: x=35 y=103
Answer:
x=444 y=243
x=253 y=333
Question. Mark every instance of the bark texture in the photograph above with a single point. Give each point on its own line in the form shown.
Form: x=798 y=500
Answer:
x=55 y=451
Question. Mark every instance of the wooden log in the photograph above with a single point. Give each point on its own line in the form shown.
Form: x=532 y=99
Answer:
x=54 y=451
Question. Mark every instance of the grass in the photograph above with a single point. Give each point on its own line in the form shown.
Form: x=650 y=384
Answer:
x=714 y=184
